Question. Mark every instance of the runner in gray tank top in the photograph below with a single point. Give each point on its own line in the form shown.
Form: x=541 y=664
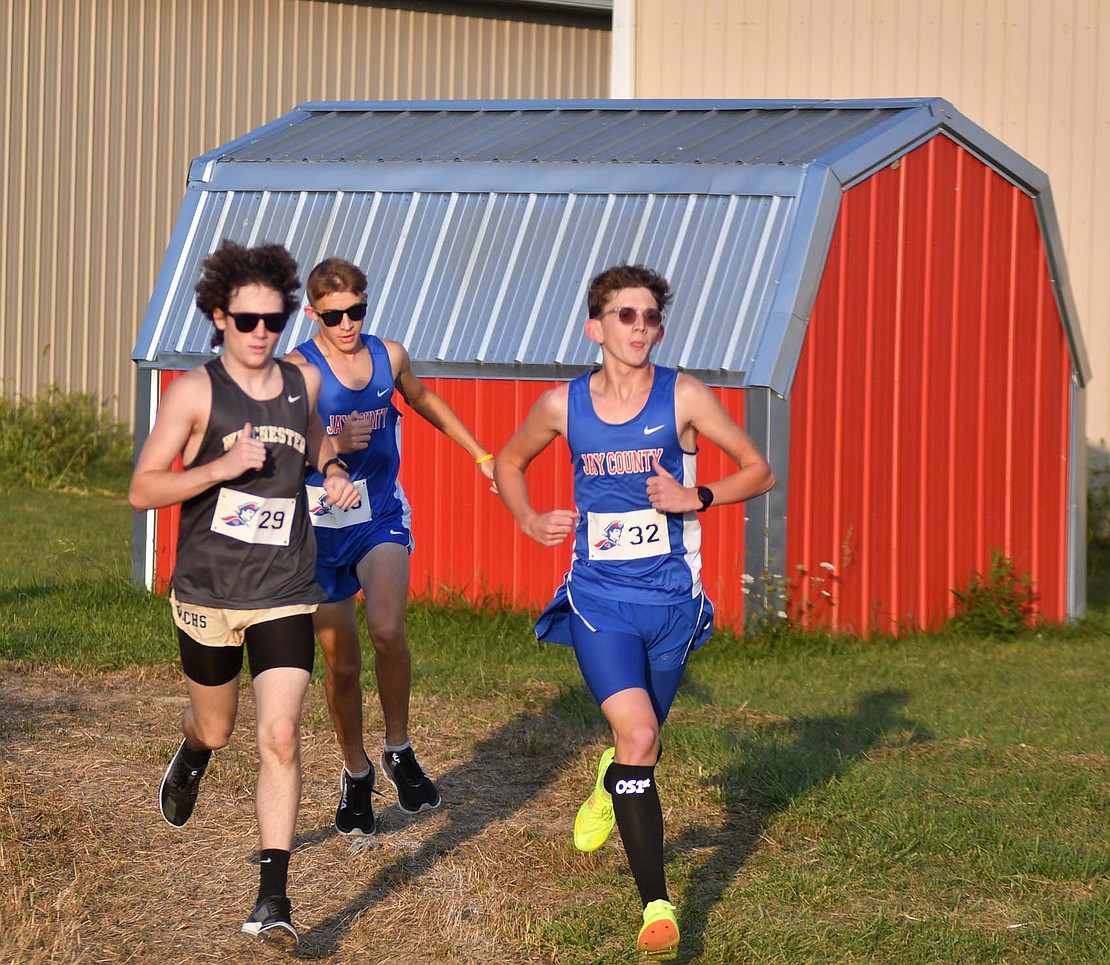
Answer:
x=244 y=425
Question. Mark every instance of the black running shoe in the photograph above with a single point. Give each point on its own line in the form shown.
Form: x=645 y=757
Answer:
x=415 y=790
x=355 y=814
x=180 y=784
x=272 y=920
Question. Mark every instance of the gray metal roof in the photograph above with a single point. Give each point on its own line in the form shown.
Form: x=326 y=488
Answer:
x=479 y=223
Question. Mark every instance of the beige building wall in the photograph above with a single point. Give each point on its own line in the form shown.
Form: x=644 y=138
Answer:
x=1035 y=73
x=105 y=102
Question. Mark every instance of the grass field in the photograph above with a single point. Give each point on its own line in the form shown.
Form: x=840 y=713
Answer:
x=924 y=800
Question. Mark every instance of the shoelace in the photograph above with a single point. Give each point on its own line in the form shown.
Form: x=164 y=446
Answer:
x=187 y=778
x=407 y=768
x=348 y=786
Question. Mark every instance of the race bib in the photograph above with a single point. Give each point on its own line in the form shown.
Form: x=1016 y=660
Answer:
x=634 y=535
x=253 y=519
x=325 y=515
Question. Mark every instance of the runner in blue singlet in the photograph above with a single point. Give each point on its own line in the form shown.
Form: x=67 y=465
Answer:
x=632 y=604
x=367 y=547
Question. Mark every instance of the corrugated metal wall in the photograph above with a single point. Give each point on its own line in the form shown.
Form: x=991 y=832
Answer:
x=1035 y=73
x=935 y=301
x=468 y=545
x=106 y=102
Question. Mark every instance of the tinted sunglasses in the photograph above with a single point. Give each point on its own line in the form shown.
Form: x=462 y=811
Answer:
x=355 y=312
x=653 y=318
x=248 y=321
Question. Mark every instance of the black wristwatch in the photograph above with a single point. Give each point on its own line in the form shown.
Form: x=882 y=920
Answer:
x=333 y=461
x=705 y=494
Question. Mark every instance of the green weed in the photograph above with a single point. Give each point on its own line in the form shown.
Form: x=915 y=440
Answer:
x=62 y=441
x=1000 y=604
x=1098 y=506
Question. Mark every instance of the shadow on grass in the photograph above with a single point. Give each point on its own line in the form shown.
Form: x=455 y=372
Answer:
x=507 y=769
x=775 y=765
x=12 y=596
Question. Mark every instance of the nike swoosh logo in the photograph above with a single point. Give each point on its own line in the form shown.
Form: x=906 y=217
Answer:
x=396 y=532
x=265 y=860
x=382 y=392
x=648 y=430
x=292 y=398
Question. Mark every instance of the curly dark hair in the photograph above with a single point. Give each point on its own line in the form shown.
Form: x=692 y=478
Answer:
x=615 y=278
x=231 y=266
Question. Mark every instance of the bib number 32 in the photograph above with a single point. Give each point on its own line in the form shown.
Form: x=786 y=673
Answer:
x=634 y=535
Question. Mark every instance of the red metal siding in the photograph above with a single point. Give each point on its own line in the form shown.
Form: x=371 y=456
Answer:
x=466 y=541
x=468 y=545
x=930 y=407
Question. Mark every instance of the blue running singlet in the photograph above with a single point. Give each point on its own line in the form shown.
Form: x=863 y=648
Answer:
x=342 y=536
x=624 y=549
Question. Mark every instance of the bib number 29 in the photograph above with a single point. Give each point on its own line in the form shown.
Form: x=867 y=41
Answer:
x=253 y=519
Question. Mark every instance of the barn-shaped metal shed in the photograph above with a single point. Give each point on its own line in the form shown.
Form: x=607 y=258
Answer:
x=876 y=288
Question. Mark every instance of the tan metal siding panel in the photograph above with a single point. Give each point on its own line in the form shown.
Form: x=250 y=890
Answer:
x=10 y=157
x=106 y=101
x=1035 y=73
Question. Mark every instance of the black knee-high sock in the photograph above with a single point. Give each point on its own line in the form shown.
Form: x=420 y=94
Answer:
x=273 y=873
x=640 y=820
x=196 y=759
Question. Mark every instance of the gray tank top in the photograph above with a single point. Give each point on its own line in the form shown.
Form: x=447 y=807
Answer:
x=247 y=544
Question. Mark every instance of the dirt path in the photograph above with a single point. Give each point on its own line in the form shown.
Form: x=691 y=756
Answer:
x=89 y=872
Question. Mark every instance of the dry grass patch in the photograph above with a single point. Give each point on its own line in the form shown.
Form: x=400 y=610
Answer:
x=92 y=874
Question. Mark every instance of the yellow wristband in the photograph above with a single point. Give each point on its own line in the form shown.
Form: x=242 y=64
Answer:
x=486 y=458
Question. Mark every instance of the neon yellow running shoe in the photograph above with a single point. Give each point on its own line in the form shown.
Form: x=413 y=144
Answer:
x=594 y=822
x=659 y=937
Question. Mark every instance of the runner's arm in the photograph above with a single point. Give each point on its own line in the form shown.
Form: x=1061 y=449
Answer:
x=183 y=413
x=697 y=407
x=320 y=451
x=430 y=406
x=546 y=420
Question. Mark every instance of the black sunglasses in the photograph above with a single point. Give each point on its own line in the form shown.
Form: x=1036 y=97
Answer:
x=653 y=318
x=331 y=318
x=248 y=321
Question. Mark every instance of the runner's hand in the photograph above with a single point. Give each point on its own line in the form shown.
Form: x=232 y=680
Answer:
x=247 y=454
x=355 y=435
x=667 y=494
x=487 y=471
x=550 y=529
x=340 y=491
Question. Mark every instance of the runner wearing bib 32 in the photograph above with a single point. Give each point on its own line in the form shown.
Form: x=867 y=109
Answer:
x=632 y=604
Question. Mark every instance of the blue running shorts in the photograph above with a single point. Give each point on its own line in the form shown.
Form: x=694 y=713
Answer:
x=621 y=645
x=339 y=551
